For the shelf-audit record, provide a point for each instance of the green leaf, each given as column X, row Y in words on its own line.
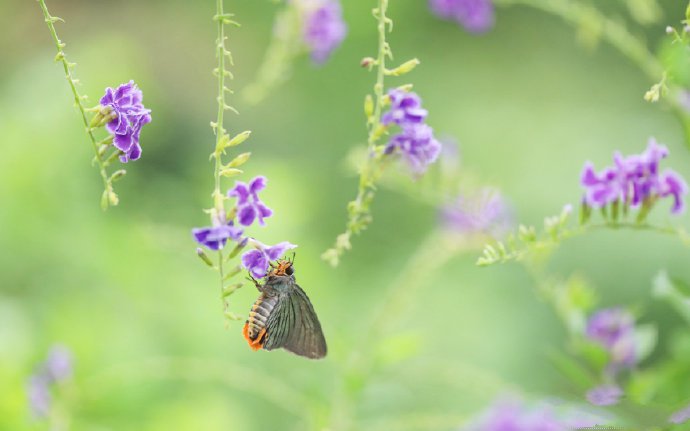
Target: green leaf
column 572, row 369
column 673, row 291
column 646, row 337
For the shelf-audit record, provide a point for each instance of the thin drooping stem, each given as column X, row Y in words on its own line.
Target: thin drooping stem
column 67, row 66
column 612, row 31
column 359, row 216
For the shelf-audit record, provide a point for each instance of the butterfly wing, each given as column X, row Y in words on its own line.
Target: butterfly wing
column 294, row 326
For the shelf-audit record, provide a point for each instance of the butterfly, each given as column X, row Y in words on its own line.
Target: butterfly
column 283, row 317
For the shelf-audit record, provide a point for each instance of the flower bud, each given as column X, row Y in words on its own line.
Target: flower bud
column 239, row 160
column 403, row 68
column 239, row 138
column 229, row 290
column 368, row 106
column 367, row 62
column 230, row 172
column 202, row 255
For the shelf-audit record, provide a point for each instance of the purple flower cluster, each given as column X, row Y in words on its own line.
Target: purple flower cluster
column 416, row 141
column 513, row 415
column 605, row 395
column 614, row 329
column 483, row 212
column 324, row 29
column 56, row 368
column 250, row 208
column 634, row 180
column 476, row 16
column 682, row 415
column 130, row 116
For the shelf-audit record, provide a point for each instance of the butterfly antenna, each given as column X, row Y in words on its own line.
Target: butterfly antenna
column 293, row 258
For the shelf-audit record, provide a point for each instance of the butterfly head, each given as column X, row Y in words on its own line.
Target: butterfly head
column 282, row 268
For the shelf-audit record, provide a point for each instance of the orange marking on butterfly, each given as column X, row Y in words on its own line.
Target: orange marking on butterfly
column 283, row 265
column 256, row 343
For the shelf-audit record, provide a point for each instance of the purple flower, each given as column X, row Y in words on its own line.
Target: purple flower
column 672, row 184
column 38, row 395
column 257, row 261
column 614, row 329
column 680, row 416
column 215, row 237
column 476, row 16
column 130, row 117
column 514, row 415
column 483, row 212
column 324, row 29
column 417, row 145
column 406, row 108
column 634, row 180
column 604, row 395
column 249, row 206
column 58, row 365
column 56, row 368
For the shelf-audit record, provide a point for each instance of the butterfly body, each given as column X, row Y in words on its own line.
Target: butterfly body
column 283, row 317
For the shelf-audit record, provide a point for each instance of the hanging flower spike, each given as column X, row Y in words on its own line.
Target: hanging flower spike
column 324, row 30
column 215, row 237
column 476, row 16
column 614, row 329
column 249, row 206
column 417, row 145
column 406, row 108
column 129, row 116
column 257, row 261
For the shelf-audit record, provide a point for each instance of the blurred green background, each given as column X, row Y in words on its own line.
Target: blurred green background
column 124, row 290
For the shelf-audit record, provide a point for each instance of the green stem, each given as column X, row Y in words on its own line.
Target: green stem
column 612, row 31
column 50, row 20
column 358, row 209
column 218, row 201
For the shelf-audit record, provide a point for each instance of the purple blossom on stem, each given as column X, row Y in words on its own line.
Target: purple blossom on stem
column 680, row 416
column 614, row 329
column 514, row 415
column 38, row 395
column 130, row 116
column 476, row 16
column 257, row 261
column 215, row 237
column 483, row 212
column 249, row 206
column 417, row 145
column 58, row 365
column 634, row 181
column 324, row 29
column 56, row 368
column 605, row 395
column 416, row 140
column 406, row 108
